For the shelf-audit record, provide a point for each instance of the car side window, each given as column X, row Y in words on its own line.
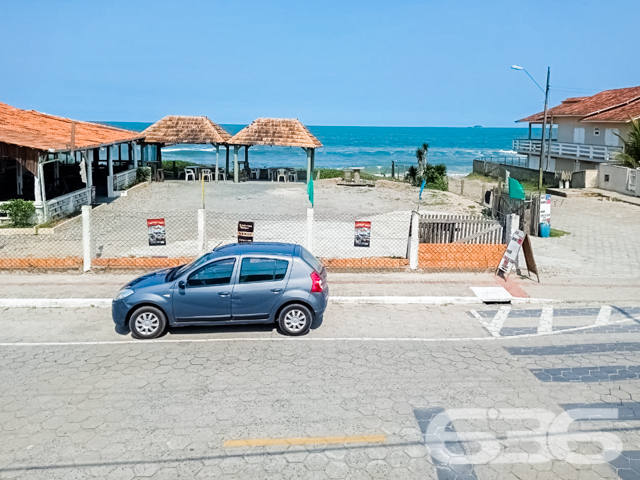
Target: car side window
column 216, row 273
column 262, row 270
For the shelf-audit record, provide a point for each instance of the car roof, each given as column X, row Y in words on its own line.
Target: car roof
column 270, row 248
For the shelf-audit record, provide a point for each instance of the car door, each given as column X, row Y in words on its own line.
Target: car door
column 260, row 283
column 204, row 296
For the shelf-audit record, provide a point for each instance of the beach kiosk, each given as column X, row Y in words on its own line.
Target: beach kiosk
column 275, row 132
column 182, row 129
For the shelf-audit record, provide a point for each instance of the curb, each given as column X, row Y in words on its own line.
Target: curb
column 382, row 300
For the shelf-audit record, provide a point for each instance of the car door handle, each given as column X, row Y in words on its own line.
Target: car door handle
column 276, row 290
column 224, row 294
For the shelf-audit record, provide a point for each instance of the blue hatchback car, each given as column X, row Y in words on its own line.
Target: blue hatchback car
column 234, row 284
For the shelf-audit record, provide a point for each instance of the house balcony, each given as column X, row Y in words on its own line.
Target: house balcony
column 578, row 151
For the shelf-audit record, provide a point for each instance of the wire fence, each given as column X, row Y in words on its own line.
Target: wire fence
column 105, row 239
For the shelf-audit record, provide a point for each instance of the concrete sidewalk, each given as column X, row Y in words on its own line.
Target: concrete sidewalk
column 586, row 289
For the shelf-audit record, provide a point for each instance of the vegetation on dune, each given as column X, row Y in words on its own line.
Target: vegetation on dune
column 329, row 173
column 630, row 158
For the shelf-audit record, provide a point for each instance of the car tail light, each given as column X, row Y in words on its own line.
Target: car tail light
column 316, row 282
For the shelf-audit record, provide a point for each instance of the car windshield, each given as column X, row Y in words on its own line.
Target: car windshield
column 177, row 271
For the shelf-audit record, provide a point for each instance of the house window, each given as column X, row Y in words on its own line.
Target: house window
column 596, row 132
column 578, row 135
column 611, row 138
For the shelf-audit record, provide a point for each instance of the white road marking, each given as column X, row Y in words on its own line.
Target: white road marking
column 603, row 315
column 496, row 324
column 303, row 339
column 546, row 320
column 477, row 315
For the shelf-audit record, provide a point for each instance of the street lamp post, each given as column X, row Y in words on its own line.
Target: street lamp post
column 544, row 121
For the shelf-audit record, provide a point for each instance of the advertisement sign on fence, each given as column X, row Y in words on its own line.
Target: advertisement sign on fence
column 157, row 234
column 545, row 208
column 513, row 249
column 245, row 232
column 363, row 234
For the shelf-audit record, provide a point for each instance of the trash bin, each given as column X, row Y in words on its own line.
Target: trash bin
column 545, row 230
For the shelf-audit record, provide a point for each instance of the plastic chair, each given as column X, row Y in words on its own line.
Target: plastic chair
column 206, row 175
column 222, row 174
column 282, row 173
column 188, row 172
column 293, row 176
column 347, row 175
column 255, row 173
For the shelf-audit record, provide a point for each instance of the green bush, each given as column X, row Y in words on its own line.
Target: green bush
column 330, row 173
column 20, row 212
column 143, row 174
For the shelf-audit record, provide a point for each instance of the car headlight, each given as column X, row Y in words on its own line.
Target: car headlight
column 124, row 293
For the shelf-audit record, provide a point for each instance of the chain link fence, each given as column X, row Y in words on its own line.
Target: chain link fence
column 395, row 241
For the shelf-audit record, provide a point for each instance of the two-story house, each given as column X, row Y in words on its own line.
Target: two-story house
column 588, row 131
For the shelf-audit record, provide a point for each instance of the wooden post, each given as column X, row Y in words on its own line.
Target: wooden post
column 217, row 159
column 235, row 164
column 109, row 162
column 313, row 160
column 135, row 157
column 246, row 161
column 309, row 171
column 227, row 166
column 18, row 178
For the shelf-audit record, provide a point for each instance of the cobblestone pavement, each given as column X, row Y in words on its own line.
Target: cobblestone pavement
column 598, row 244
column 350, row 400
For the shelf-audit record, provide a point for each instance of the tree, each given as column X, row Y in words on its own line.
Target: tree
column 631, row 156
column 421, row 155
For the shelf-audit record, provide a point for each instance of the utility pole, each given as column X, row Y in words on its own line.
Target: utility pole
column 544, row 127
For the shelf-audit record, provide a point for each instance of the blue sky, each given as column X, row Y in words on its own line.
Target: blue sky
column 404, row 63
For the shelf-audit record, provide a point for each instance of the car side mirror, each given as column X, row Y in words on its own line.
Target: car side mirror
column 181, row 284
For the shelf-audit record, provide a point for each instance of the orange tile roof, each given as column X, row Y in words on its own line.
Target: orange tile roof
column 29, row 128
column 619, row 105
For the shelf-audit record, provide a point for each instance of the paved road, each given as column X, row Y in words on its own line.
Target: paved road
column 374, row 392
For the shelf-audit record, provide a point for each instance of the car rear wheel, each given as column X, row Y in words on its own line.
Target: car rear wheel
column 147, row 322
column 295, row 320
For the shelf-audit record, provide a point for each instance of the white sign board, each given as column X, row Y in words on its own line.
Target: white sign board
column 513, row 250
column 545, row 208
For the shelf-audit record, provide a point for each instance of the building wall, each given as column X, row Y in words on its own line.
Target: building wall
column 566, row 126
column 615, row 179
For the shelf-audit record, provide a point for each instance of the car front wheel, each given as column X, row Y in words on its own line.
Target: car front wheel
column 147, row 322
column 295, row 320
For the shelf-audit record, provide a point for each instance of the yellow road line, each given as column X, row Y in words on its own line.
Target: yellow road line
column 268, row 442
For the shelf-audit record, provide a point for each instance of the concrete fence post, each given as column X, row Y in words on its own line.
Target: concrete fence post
column 310, row 229
column 414, row 247
column 462, row 188
column 202, row 238
column 86, row 237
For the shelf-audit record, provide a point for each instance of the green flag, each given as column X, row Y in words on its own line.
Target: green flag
column 310, row 189
column 515, row 189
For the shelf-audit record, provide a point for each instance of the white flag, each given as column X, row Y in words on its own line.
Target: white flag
column 83, row 170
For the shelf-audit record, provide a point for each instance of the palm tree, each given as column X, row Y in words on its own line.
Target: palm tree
column 631, row 156
column 421, row 155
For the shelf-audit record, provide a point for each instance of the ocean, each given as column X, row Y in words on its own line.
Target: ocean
column 373, row 148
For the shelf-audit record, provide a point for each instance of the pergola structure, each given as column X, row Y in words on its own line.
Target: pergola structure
column 182, row 129
column 58, row 162
column 281, row 132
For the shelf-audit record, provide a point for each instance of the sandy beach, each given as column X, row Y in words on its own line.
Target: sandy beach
column 288, row 198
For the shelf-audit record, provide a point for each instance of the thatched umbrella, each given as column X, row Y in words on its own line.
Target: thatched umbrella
column 282, row 132
column 182, row 129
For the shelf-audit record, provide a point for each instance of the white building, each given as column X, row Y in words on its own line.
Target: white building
column 588, row 131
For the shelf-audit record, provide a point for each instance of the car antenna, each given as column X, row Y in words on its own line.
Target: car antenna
column 217, row 245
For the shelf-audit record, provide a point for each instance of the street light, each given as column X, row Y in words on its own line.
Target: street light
column 544, row 122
